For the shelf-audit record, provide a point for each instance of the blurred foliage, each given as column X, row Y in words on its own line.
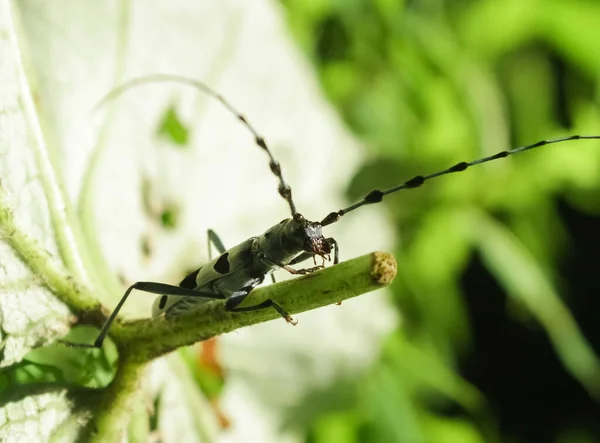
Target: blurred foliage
column 173, row 129
column 45, row 368
column 426, row 84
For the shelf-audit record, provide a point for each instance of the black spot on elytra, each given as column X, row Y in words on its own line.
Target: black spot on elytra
column 190, row 281
column 163, row 301
column 222, row 264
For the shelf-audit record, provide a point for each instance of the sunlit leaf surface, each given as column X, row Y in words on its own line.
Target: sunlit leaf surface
column 87, row 192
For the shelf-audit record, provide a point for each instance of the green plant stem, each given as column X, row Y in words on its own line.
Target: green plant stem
column 144, row 340
column 43, row 265
column 117, row 403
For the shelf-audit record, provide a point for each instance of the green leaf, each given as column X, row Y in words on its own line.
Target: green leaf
column 520, row 274
column 172, row 127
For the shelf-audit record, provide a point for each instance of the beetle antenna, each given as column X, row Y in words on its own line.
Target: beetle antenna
column 284, row 190
column 376, row 195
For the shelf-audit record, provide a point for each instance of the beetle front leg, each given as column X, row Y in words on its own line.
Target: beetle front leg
column 262, row 257
column 302, row 257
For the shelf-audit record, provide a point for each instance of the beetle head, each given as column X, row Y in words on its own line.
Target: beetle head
column 306, row 236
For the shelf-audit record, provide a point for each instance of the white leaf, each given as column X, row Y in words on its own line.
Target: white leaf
column 77, row 52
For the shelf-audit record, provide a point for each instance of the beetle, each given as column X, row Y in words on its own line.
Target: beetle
column 233, row 275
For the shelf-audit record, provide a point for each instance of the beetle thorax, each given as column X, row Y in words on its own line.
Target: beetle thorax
column 291, row 237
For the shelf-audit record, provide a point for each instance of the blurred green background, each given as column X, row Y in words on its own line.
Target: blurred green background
column 497, row 286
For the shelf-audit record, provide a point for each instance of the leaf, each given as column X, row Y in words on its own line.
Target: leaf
column 183, row 413
column 172, row 127
column 29, row 314
column 518, row 271
column 73, row 210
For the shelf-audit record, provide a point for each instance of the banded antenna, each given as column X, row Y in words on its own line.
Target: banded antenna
column 284, row 190
column 376, row 195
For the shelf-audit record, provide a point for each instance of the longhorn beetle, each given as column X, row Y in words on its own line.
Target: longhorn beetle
column 237, row 271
